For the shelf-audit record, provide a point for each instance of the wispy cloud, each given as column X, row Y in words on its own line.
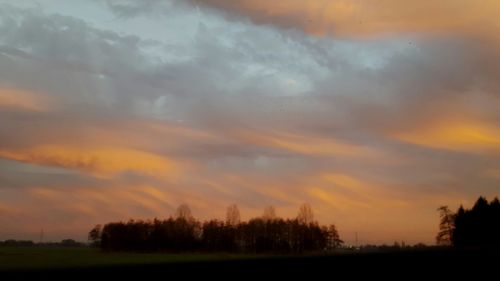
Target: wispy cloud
column 466, row 136
column 367, row 17
column 13, row 99
column 99, row 161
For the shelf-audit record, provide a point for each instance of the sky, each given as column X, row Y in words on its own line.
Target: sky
column 375, row 112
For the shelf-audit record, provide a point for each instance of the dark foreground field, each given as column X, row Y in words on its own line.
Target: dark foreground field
column 90, row 264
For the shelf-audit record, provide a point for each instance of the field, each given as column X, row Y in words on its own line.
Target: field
column 32, row 258
column 35, row 263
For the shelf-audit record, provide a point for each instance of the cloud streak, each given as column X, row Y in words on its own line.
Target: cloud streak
column 367, row 17
column 98, row 161
column 20, row 100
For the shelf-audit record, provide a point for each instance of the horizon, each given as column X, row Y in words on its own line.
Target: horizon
column 375, row 113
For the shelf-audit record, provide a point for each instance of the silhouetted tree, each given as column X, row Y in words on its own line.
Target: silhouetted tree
column 446, row 226
column 232, row 215
column 269, row 213
column 333, row 237
column 183, row 212
column 95, row 235
column 305, row 215
column 478, row 227
column 69, row 243
column 213, row 236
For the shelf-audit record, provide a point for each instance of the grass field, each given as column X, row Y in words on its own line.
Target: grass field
column 19, row 258
column 37, row 263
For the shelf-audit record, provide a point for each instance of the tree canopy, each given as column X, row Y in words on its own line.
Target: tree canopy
column 267, row 234
column 478, row 227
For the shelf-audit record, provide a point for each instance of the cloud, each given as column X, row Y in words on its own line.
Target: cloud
column 456, row 135
column 306, row 145
column 20, row 100
column 99, row 161
column 366, row 17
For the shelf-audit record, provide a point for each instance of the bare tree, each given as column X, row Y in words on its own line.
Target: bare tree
column 306, row 215
column 232, row 215
column 183, row 212
column 95, row 235
column 333, row 237
column 269, row 213
column 446, row 226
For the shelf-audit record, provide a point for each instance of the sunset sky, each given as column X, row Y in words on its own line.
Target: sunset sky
column 375, row 112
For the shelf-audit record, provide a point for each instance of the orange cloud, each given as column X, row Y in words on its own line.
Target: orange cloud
column 366, row 17
column 307, row 145
column 100, row 161
column 347, row 192
column 22, row 100
column 467, row 136
column 120, row 202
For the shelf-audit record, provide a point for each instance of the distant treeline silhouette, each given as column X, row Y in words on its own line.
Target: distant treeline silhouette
column 17, row 243
column 29, row 243
column 183, row 233
column 478, row 227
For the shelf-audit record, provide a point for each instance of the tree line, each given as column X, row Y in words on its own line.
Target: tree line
column 478, row 227
column 183, row 233
column 70, row 243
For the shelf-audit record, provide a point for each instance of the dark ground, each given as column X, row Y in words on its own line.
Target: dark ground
column 403, row 265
